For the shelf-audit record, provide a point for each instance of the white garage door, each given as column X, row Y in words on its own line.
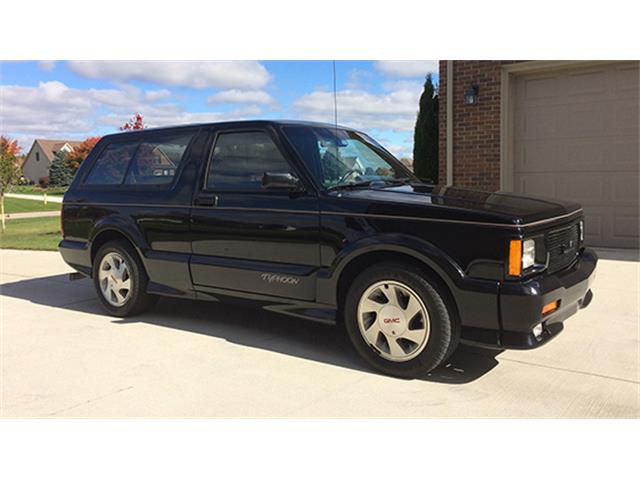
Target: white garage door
column 575, row 136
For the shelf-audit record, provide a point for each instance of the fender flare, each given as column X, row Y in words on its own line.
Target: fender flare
column 122, row 225
column 425, row 252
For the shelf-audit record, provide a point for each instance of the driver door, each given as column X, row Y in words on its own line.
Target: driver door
column 248, row 238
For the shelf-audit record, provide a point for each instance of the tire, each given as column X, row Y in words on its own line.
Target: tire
column 406, row 337
column 121, row 302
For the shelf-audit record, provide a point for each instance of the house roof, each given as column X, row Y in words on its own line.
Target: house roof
column 50, row 147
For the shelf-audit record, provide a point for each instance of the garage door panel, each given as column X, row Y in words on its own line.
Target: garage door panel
column 575, row 135
column 626, row 120
column 624, row 189
column 626, row 81
column 535, row 157
column 592, row 154
column 538, row 88
column 539, row 122
column 626, row 155
column 585, row 83
column 538, row 184
column 584, row 121
column 593, row 227
column 625, row 226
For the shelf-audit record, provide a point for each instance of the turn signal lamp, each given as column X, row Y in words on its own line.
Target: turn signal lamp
column 550, row 307
column 515, row 258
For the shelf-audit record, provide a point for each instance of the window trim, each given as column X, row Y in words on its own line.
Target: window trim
column 204, row 184
column 140, row 138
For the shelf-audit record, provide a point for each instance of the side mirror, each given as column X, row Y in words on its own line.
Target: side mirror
column 282, row 181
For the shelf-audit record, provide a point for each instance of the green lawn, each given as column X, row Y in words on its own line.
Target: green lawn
column 36, row 190
column 19, row 205
column 32, row 234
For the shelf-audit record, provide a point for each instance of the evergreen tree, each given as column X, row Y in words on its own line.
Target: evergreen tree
column 59, row 173
column 425, row 137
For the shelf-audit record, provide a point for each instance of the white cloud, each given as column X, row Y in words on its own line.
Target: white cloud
column 51, row 107
column 395, row 110
column 54, row 110
column 407, row 68
column 46, row 65
column 240, row 96
column 154, row 95
column 400, row 151
column 221, row 74
column 412, row 85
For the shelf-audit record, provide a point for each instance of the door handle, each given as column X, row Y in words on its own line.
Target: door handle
column 207, row 200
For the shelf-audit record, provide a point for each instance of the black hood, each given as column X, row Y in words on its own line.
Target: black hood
column 461, row 204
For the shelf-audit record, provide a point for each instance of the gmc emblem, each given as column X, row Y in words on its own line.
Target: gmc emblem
column 564, row 248
column 391, row 320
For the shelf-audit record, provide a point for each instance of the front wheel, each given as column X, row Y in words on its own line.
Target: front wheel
column 120, row 280
column 398, row 320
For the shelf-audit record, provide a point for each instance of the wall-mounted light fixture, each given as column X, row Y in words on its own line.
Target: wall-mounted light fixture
column 471, row 95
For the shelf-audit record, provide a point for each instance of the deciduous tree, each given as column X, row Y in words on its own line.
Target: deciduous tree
column 135, row 123
column 9, row 146
column 76, row 156
column 9, row 170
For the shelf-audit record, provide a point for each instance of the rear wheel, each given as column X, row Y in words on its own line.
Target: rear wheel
column 120, row 280
column 398, row 320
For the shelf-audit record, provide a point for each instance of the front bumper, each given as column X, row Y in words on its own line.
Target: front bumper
column 521, row 303
column 520, row 306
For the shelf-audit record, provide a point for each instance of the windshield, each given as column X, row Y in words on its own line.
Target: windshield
column 339, row 157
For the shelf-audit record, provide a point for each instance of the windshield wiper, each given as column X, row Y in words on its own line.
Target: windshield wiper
column 396, row 181
column 350, row 186
column 371, row 183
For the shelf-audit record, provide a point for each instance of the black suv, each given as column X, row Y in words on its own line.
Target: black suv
column 322, row 223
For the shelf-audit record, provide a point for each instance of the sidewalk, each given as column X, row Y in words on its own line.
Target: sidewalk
column 17, row 216
column 25, row 196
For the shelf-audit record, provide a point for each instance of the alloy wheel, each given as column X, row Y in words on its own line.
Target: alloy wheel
column 115, row 279
column 393, row 320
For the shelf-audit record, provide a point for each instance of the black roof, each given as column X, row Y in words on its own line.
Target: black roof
column 248, row 123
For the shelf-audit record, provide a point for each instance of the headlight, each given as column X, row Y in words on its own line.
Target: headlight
column 528, row 253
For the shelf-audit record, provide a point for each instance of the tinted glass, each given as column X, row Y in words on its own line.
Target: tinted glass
column 240, row 160
column 156, row 162
column 341, row 157
column 111, row 166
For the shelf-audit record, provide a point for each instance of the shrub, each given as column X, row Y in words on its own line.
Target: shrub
column 43, row 182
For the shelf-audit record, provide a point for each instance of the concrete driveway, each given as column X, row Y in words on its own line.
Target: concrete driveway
column 62, row 357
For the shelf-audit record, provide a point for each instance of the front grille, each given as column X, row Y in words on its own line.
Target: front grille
column 562, row 247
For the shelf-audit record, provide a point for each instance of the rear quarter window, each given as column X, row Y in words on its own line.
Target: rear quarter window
column 156, row 162
column 111, row 166
column 151, row 161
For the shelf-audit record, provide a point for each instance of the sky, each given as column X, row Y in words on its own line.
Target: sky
column 77, row 99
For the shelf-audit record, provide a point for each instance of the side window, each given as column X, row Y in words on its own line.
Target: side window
column 111, row 166
column 156, row 162
column 239, row 161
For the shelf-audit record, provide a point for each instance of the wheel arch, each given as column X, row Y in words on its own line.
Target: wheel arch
column 436, row 265
column 114, row 229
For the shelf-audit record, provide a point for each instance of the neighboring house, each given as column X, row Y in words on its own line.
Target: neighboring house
column 564, row 129
column 40, row 156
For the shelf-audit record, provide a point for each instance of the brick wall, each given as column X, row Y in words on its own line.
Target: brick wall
column 476, row 128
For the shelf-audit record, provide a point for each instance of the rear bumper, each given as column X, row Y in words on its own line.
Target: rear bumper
column 76, row 255
column 520, row 306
